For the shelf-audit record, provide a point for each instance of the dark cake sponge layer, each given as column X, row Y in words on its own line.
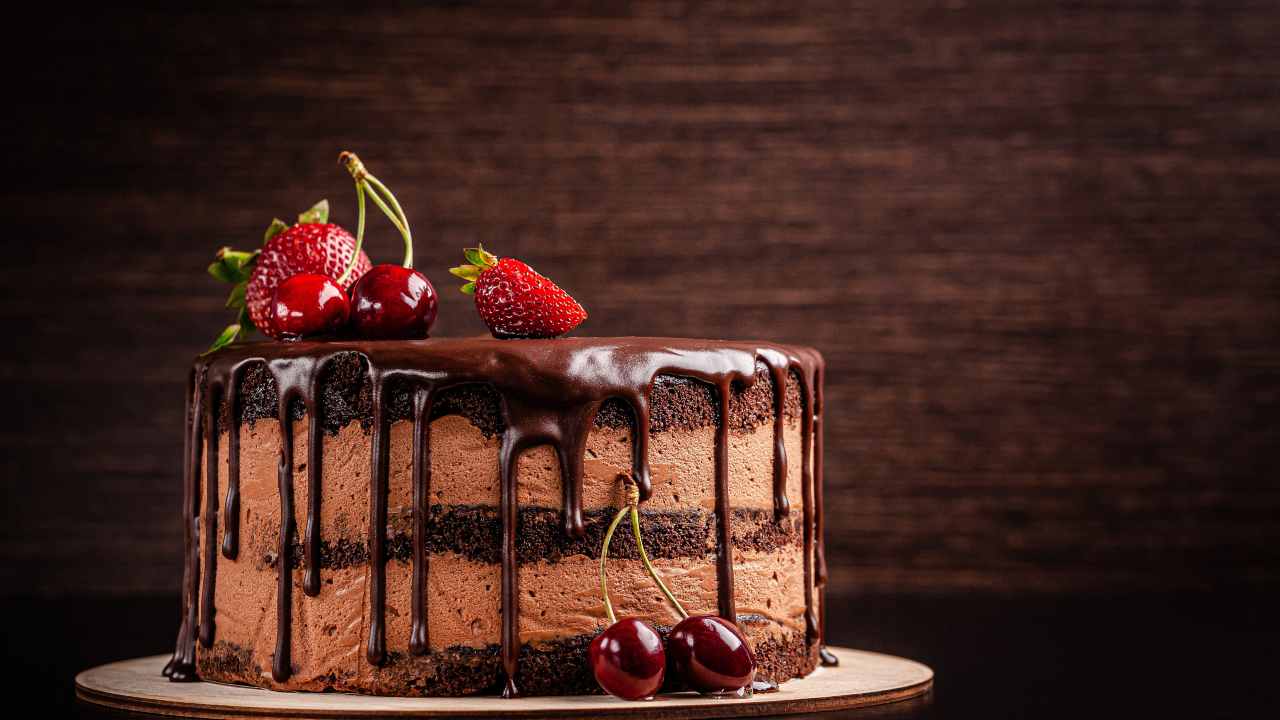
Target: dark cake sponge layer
column 552, row 668
column 346, row 396
column 475, row 532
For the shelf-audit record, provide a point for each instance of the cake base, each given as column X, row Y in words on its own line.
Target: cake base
column 861, row 679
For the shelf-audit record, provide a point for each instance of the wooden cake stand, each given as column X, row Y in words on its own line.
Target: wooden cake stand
column 861, row 679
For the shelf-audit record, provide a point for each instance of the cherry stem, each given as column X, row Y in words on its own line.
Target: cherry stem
column 633, row 504
column 381, row 196
column 377, row 185
column 604, row 555
column 342, row 281
column 395, row 219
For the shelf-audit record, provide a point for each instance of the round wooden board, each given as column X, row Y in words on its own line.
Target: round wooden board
column 861, row 679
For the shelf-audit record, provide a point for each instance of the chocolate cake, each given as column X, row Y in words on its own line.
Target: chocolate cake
column 425, row 517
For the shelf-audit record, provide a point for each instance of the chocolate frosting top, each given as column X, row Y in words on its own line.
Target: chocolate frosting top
column 345, row 396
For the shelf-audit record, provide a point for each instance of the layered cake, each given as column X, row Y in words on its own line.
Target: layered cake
column 397, row 515
column 425, row 517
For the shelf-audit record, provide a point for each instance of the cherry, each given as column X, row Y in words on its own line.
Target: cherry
column 389, row 301
column 627, row 659
column 711, row 654
column 308, row 304
column 393, row 302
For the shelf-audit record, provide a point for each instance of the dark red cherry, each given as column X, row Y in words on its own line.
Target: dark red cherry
column 627, row 659
column 308, row 304
column 393, row 302
column 711, row 654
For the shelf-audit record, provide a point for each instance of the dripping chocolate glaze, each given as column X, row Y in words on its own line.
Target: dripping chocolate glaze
column 551, row 392
column 827, row 657
column 210, row 519
column 231, row 513
column 315, row 458
column 182, row 666
column 422, row 400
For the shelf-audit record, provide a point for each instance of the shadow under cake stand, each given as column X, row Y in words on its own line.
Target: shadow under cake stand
column 861, row 679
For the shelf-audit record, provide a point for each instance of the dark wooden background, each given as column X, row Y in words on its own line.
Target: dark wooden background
column 1037, row 243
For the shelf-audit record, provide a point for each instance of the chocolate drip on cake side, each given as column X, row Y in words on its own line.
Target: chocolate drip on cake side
column 182, row 666
column 315, row 466
column 724, row 540
column 295, row 378
column 281, row 665
column 419, row 641
column 551, row 392
column 806, row 485
column 218, row 388
column 231, row 511
column 376, row 648
column 213, row 391
column 779, row 366
column 507, row 458
column 827, row 657
column 805, row 368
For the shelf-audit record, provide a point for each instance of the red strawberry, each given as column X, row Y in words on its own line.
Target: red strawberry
column 514, row 300
column 319, row 248
column 311, row 246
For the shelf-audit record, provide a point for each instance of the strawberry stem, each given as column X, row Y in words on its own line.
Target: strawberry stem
column 386, row 202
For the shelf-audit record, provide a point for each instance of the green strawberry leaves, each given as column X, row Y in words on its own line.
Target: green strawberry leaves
column 236, row 267
column 242, row 326
column 479, row 260
column 231, row 334
column 318, row 213
column 232, row 266
column 466, row 272
column 480, row 257
column 276, row 227
column 236, row 300
column 238, row 330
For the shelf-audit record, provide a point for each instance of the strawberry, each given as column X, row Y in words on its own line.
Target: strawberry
column 319, row 248
column 313, row 245
column 514, row 300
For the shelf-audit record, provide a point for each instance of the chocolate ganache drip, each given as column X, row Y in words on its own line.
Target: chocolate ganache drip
column 827, row 657
column 182, row 666
column 551, row 391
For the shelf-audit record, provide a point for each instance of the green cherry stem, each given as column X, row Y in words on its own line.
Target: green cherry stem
column 633, row 508
column 392, row 216
column 367, row 183
column 633, row 504
column 403, row 225
column 355, row 254
column 604, row 555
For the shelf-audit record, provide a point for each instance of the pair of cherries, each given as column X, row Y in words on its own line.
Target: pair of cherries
column 707, row 652
column 387, row 302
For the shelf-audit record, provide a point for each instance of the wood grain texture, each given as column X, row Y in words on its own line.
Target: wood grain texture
column 1037, row 244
